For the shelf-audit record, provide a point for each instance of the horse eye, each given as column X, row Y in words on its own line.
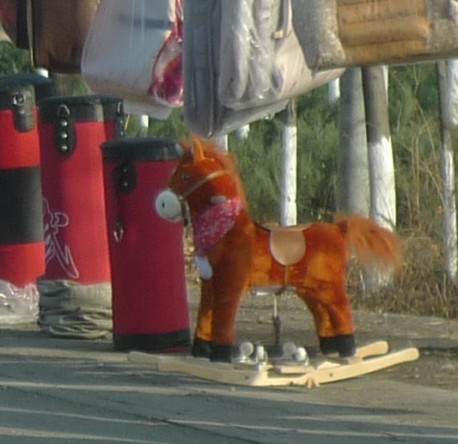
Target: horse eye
column 185, row 176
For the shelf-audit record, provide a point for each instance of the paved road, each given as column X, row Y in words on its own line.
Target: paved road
column 75, row 391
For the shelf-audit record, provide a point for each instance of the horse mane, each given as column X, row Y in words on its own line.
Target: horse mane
column 228, row 162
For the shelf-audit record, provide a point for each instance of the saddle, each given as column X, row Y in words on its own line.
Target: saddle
column 287, row 244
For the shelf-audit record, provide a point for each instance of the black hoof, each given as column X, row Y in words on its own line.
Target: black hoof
column 346, row 345
column 201, row 348
column 221, row 353
column 328, row 346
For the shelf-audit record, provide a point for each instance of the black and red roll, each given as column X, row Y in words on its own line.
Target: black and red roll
column 71, row 131
column 150, row 308
column 22, row 251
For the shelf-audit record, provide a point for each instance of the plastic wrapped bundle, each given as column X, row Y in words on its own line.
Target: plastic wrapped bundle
column 204, row 112
column 134, row 51
column 262, row 61
column 362, row 32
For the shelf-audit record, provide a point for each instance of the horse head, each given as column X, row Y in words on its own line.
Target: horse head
column 205, row 176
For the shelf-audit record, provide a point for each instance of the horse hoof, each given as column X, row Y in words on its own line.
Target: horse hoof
column 201, row 348
column 346, row 345
column 328, row 345
column 221, row 353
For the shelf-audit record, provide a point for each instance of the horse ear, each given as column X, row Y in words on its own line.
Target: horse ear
column 197, row 150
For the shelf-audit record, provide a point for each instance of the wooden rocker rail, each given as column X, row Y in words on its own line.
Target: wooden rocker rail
column 368, row 359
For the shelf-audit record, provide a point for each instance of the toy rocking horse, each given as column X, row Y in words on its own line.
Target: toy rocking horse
column 234, row 253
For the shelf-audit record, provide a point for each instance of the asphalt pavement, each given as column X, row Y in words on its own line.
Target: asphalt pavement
column 55, row 390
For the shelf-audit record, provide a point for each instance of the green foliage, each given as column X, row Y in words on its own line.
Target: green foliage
column 13, row 60
column 413, row 111
column 317, row 156
column 259, row 159
column 416, row 143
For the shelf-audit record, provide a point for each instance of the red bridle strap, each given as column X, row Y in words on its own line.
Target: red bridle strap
column 203, row 181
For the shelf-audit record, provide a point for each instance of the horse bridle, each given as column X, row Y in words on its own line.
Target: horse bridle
column 184, row 196
column 202, row 182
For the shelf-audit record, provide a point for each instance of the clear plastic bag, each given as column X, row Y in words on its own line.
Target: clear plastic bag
column 18, row 305
column 134, row 51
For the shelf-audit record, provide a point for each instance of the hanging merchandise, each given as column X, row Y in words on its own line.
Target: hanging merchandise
column 134, row 51
column 364, row 32
column 58, row 30
column 13, row 21
column 261, row 58
column 204, row 113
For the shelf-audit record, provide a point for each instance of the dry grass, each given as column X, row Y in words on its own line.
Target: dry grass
column 420, row 288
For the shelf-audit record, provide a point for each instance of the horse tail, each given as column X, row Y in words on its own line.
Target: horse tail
column 372, row 244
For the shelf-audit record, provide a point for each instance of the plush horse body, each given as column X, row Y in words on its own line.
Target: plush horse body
column 235, row 254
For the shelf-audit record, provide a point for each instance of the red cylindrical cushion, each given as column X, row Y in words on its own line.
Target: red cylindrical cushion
column 71, row 132
column 21, row 218
column 150, row 309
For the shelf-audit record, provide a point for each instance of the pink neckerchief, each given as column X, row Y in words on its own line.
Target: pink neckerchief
column 210, row 226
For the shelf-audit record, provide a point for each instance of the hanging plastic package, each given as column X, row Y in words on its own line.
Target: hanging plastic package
column 261, row 59
column 204, row 113
column 148, row 35
column 13, row 20
column 57, row 32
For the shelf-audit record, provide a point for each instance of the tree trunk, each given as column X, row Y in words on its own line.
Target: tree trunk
column 353, row 175
column 380, row 151
column 448, row 169
column 380, row 161
column 288, row 207
column 333, row 91
column 221, row 141
column 144, row 125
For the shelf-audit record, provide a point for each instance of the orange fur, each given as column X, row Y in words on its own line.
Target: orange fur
column 242, row 259
column 373, row 245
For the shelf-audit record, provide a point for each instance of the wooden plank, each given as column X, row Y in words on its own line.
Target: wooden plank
column 328, row 375
column 379, row 10
column 263, row 375
column 372, row 349
column 201, row 368
column 334, row 373
column 384, row 31
column 391, row 52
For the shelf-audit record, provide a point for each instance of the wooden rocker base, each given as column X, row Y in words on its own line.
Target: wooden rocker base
column 368, row 359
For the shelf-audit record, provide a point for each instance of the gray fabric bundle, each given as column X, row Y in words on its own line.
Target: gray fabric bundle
column 71, row 310
column 204, row 113
column 262, row 60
